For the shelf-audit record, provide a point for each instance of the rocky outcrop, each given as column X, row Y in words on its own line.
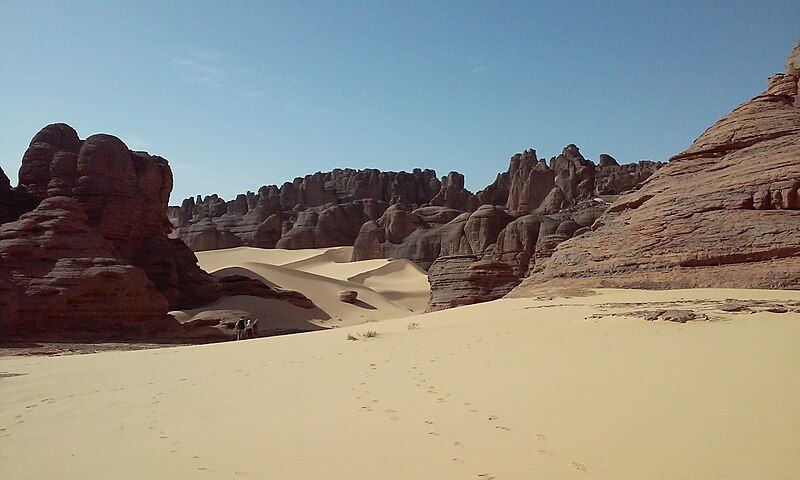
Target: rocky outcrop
column 61, row 274
column 92, row 252
column 724, row 213
column 348, row 296
column 319, row 210
column 452, row 194
column 530, row 192
column 466, row 279
column 614, row 179
column 793, row 62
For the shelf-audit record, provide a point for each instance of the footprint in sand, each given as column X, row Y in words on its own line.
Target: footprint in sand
column 428, row 422
column 492, row 418
column 545, row 452
column 580, row 467
column 500, row 427
column 487, row 476
column 541, row 437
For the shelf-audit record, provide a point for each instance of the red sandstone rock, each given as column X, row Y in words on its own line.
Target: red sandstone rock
column 348, row 296
column 323, row 209
column 60, row 274
column 467, row 279
column 94, row 254
column 724, row 213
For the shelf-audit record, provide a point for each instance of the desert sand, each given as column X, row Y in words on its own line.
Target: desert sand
column 386, row 288
column 567, row 385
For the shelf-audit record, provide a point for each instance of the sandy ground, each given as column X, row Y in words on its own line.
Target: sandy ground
column 386, row 288
column 551, row 388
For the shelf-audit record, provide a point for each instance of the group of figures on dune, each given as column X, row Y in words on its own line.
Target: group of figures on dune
column 88, row 243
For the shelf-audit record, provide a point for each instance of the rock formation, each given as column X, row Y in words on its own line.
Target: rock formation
column 466, row 279
column 531, row 193
column 83, row 242
column 319, row 210
column 793, row 62
column 532, row 207
column 724, row 213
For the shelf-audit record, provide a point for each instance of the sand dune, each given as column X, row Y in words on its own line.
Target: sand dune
column 563, row 388
column 386, row 288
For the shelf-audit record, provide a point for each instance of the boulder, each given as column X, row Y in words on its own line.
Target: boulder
column 348, row 296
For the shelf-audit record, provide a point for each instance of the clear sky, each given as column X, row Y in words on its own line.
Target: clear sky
column 239, row 95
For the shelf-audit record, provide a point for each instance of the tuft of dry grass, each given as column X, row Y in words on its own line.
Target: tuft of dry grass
column 370, row 334
column 365, row 335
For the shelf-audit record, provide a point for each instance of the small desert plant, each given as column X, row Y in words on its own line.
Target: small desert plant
column 370, row 334
column 413, row 325
column 350, row 336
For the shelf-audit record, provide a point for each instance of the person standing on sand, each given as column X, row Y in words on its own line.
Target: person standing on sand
column 255, row 327
column 248, row 328
column 239, row 329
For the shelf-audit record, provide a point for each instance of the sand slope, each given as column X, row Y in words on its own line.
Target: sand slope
column 513, row 389
column 386, row 288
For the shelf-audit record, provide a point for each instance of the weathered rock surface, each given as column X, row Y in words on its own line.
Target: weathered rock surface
column 319, row 210
column 348, row 296
column 83, row 242
column 466, row 279
column 531, row 193
column 724, row 213
column 793, row 62
column 57, row 273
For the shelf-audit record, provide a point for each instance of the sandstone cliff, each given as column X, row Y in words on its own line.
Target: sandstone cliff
column 83, row 241
column 724, row 213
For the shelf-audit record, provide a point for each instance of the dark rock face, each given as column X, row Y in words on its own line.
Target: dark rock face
column 466, row 279
column 531, row 208
column 793, row 61
column 60, row 274
column 613, row 179
column 319, row 210
column 83, row 241
column 530, row 192
column 724, row 213
column 348, row 296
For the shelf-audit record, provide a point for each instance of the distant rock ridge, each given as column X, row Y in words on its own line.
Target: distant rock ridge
column 319, row 210
column 83, row 242
column 517, row 220
column 724, row 213
column 330, row 209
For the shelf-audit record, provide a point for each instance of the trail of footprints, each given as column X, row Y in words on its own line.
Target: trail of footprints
column 362, row 394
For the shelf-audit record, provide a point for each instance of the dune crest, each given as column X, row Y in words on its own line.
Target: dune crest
column 385, row 288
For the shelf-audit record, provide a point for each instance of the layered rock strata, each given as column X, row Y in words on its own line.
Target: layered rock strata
column 724, row 213
column 83, row 241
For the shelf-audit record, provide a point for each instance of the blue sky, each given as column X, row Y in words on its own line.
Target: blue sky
column 239, row 95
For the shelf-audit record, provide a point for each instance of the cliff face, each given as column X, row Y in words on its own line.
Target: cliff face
column 83, row 241
column 532, row 207
column 536, row 206
column 724, row 213
column 319, row 210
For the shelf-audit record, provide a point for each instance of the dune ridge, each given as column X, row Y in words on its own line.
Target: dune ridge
column 386, row 288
